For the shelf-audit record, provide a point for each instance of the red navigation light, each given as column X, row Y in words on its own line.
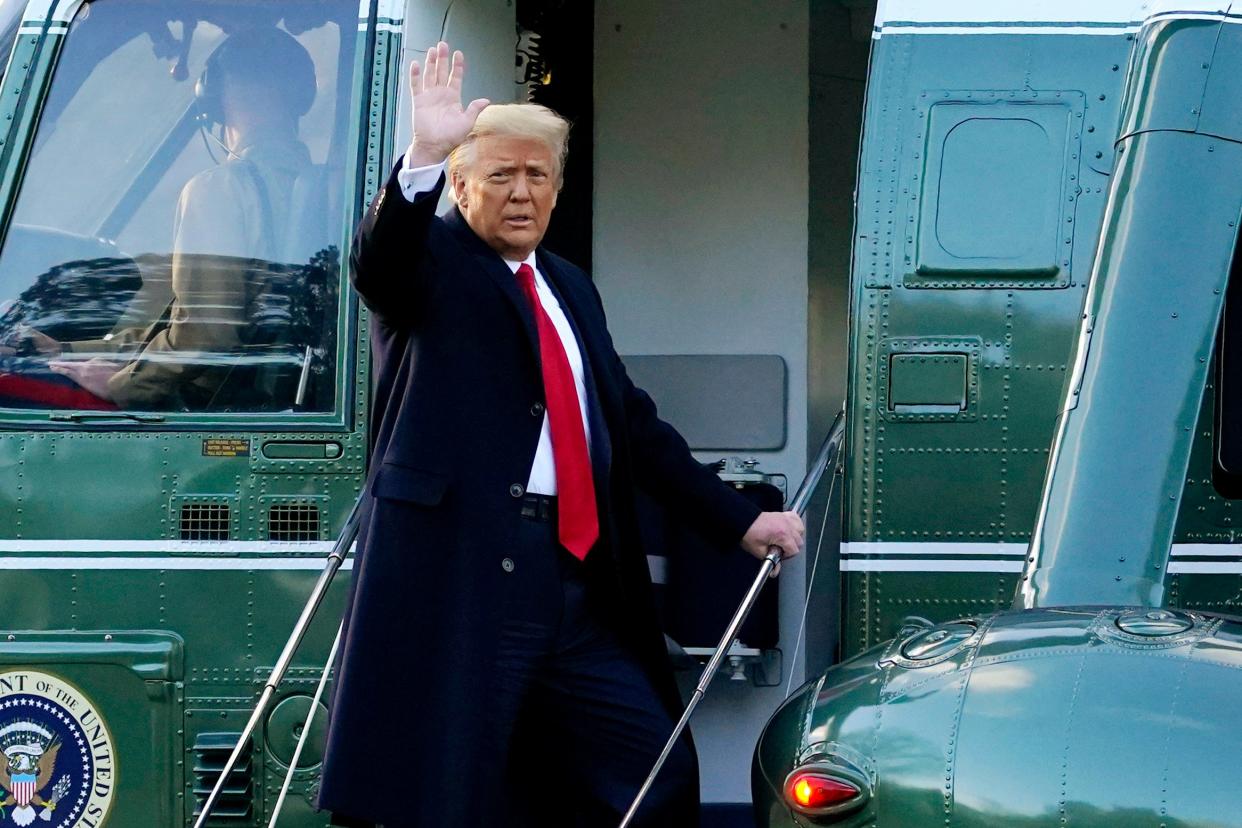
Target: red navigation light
column 810, row 790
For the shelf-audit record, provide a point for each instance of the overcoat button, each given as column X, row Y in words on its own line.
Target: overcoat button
column 507, row 564
column 517, row 490
column 536, row 410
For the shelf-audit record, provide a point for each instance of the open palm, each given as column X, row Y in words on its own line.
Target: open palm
column 440, row 120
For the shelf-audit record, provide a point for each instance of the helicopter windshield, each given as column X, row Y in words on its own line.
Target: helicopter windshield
column 10, row 19
column 174, row 244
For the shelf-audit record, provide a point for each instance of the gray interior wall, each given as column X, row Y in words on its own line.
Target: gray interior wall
column 700, row 241
column 481, row 29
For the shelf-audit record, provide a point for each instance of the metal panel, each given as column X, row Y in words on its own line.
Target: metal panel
column 1220, row 116
column 1171, row 69
column 974, row 477
column 1124, row 447
column 995, row 172
column 730, row 403
column 944, row 370
column 936, row 380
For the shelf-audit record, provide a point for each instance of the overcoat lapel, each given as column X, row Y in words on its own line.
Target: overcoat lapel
column 495, row 267
column 575, row 309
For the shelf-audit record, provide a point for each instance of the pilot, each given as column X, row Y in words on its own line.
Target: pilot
column 256, row 85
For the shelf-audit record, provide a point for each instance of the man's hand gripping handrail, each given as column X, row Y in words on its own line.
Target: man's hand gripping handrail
column 827, row 452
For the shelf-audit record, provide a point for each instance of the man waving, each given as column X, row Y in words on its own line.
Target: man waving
column 503, row 663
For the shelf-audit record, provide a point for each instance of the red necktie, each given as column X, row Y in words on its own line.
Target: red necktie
column 577, row 518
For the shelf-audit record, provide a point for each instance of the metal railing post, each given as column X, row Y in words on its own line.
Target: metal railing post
column 801, row 498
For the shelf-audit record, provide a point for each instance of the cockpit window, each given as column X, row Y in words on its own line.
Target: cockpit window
column 10, row 19
column 174, row 245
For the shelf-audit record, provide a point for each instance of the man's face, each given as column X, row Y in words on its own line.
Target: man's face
column 250, row 105
column 507, row 193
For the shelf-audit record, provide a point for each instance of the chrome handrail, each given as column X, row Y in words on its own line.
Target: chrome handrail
column 333, row 563
column 829, row 450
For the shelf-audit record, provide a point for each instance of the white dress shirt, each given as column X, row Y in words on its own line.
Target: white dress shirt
column 542, row 480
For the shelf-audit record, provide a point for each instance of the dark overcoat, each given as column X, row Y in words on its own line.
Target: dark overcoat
column 458, row 408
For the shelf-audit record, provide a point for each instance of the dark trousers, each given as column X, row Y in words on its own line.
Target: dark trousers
column 577, row 723
column 582, row 721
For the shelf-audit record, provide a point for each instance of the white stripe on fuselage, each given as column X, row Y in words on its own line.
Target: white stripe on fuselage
column 856, row 556
column 163, row 563
column 931, row 549
column 925, row 565
column 944, row 549
column 131, row 546
column 1038, row 11
column 969, row 565
column 1112, row 17
column 941, row 556
column 165, row 554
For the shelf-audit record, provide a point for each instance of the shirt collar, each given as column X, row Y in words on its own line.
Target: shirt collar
column 530, row 260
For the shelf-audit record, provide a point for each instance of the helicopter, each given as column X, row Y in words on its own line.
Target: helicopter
column 185, row 374
column 901, row 208
column 1082, row 331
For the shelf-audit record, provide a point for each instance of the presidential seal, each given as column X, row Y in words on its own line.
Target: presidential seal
column 57, row 767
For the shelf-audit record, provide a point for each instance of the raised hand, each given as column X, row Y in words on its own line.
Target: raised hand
column 440, row 122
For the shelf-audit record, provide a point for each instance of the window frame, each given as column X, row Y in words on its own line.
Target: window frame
column 1227, row 482
column 38, row 47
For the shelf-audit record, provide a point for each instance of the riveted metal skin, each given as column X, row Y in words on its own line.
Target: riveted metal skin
column 1039, row 721
column 1155, row 623
column 1153, row 293
column 1082, row 697
column 935, row 645
column 172, row 638
column 936, row 477
column 956, row 492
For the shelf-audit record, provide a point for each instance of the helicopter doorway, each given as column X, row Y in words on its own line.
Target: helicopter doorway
column 709, row 188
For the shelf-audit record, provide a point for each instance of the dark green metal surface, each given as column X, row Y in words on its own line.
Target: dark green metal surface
column 1039, row 718
column 1084, row 705
column 971, row 475
column 976, row 476
column 1157, row 293
column 1142, row 363
column 174, row 655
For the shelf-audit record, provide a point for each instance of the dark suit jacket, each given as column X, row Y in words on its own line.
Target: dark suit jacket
column 455, row 425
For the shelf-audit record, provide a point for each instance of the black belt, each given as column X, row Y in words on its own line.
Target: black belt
column 539, row 507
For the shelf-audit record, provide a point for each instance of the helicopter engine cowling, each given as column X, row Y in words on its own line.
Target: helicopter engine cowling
column 1108, row 717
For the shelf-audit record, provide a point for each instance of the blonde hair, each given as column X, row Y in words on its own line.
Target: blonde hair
column 519, row 120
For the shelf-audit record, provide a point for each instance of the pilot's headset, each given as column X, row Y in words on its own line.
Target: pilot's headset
column 267, row 53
